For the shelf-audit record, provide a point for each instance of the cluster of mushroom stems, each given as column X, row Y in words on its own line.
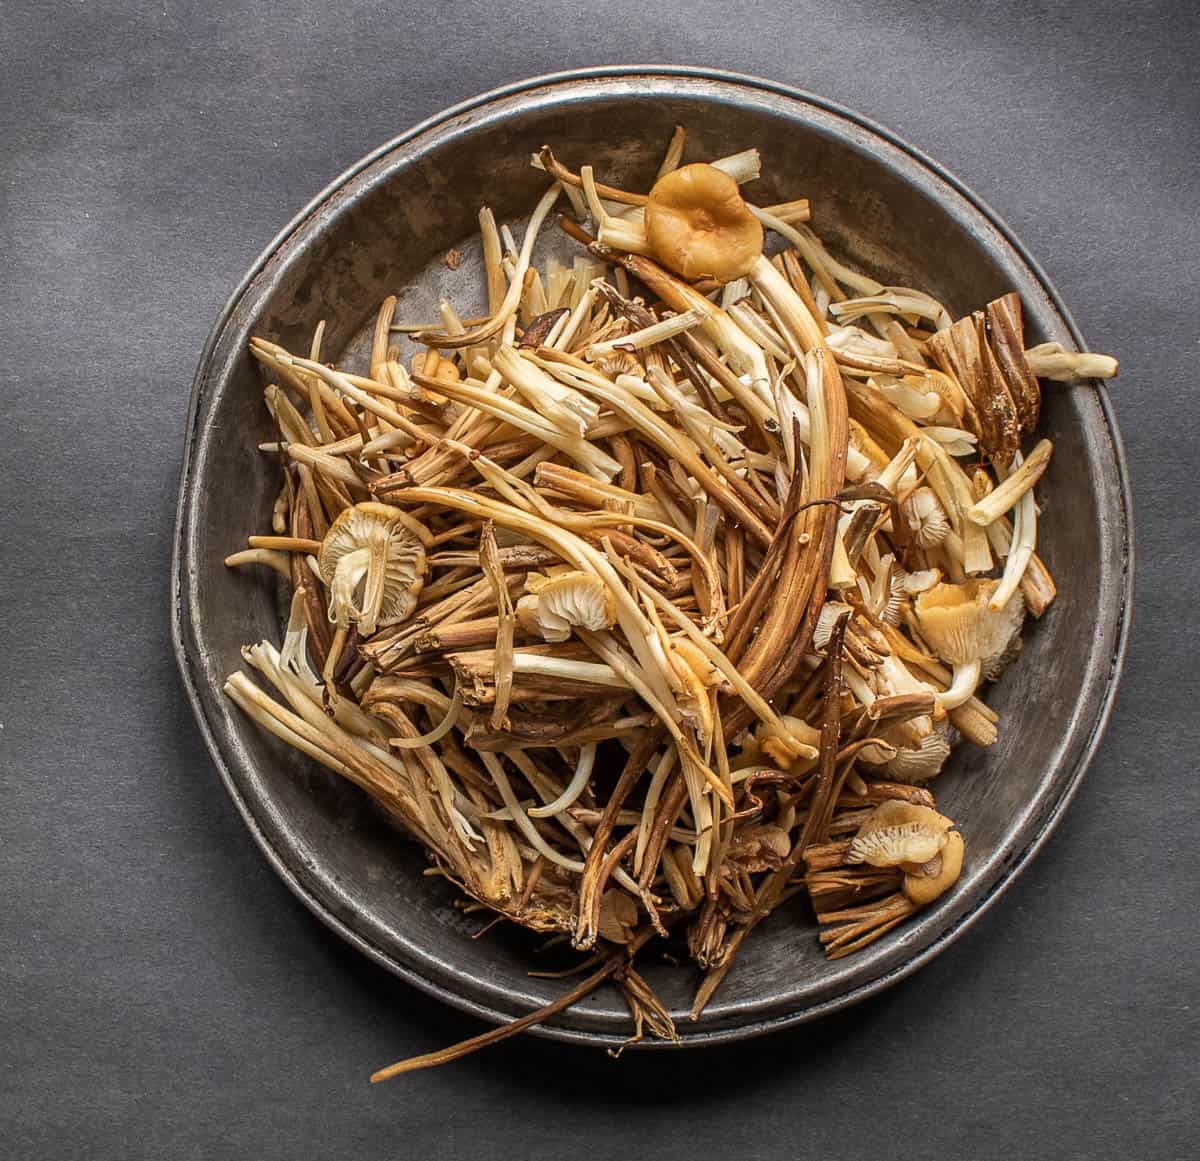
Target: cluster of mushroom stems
column 662, row 589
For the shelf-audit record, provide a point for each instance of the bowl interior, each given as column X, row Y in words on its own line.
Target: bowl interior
column 386, row 229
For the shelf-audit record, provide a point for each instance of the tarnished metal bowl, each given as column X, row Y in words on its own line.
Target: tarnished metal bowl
column 384, row 227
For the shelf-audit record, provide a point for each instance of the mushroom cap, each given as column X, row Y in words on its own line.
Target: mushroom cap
column 956, row 621
column 371, row 525
column 899, row 832
column 921, row 762
column 826, row 619
column 913, row 583
column 620, row 363
column 908, row 759
column 568, row 599
column 938, row 875
column 926, row 517
column 698, row 225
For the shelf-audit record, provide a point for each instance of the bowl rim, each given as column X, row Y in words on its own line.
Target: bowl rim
column 758, row 1025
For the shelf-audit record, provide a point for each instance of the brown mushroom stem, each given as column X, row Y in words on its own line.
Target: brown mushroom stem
column 613, row 965
column 560, row 172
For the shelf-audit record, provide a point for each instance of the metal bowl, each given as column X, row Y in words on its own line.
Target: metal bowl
column 383, row 227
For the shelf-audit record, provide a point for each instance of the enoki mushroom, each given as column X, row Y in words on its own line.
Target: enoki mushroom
column 661, row 590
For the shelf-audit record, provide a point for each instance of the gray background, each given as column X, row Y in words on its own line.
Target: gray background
column 161, row 993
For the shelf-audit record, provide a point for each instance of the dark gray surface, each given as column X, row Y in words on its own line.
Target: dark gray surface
column 161, row 994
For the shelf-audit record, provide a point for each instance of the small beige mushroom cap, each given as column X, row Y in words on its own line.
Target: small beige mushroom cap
column 564, row 601
column 899, row 832
column 957, row 623
column 925, row 884
column 911, row 763
column 373, row 554
column 826, row 619
column 926, row 517
column 914, row 583
column 698, row 225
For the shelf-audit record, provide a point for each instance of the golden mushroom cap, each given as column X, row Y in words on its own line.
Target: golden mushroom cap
column 956, row 620
column 698, row 225
column 899, row 832
column 937, row 876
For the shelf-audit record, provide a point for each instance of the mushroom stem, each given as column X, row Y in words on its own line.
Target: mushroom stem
column 512, row 298
column 657, row 332
column 573, row 789
column 376, row 575
column 286, row 543
column 1002, row 498
column 272, row 559
column 335, row 653
column 966, row 681
column 1053, row 361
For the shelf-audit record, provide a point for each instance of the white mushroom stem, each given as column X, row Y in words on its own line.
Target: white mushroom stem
column 448, row 722
column 647, row 336
column 896, row 469
column 798, row 210
column 963, row 685
column 376, row 575
column 1054, row 361
column 761, row 709
column 522, row 820
column 565, row 330
column 604, row 645
column 362, row 390
column 545, row 788
column 512, row 298
column 674, row 153
column 330, row 466
column 573, row 789
column 742, row 167
column 1005, row 496
column 569, row 411
column 745, row 356
column 591, row 672
column 824, row 265
column 759, row 330
column 581, row 554
column 486, row 398
column 284, row 724
column 896, row 300
column 1020, row 553
column 366, row 566
column 657, row 431
column 279, row 561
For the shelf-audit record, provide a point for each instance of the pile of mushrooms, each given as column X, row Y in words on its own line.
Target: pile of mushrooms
column 665, row 585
